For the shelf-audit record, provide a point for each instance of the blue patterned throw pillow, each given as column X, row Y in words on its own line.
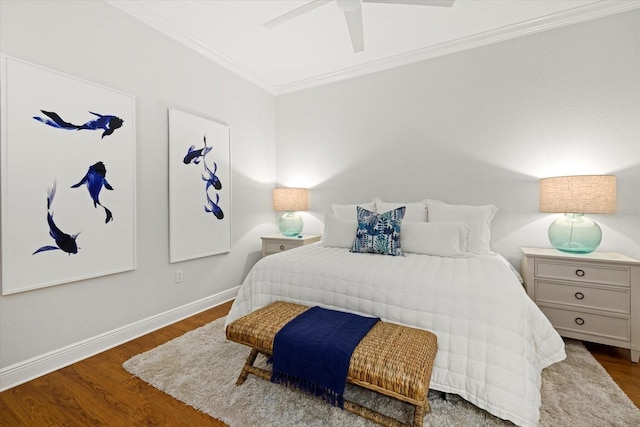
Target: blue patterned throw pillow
column 378, row 233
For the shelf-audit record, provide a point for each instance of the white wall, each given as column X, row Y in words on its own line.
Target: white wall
column 478, row 127
column 97, row 42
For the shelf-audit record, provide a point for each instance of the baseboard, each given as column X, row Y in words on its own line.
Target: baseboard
column 35, row 367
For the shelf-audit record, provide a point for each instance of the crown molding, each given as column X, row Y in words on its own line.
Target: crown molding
column 557, row 20
column 545, row 23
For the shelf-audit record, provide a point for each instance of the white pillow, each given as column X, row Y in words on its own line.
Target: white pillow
column 416, row 211
column 477, row 217
column 351, row 211
column 435, row 238
column 338, row 232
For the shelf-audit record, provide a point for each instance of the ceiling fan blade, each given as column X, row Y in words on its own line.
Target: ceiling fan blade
column 295, row 13
column 440, row 3
column 354, row 23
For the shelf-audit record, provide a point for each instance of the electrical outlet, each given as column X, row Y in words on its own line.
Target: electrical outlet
column 179, row 276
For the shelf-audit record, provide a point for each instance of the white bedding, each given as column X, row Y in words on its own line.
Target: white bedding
column 493, row 341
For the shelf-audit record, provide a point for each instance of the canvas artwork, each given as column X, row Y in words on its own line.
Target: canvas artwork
column 68, row 178
column 199, row 187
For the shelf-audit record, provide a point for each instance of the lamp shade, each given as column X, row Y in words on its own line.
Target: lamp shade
column 290, row 199
column 578, row 194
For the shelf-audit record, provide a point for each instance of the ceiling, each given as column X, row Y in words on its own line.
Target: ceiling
column 315, row 47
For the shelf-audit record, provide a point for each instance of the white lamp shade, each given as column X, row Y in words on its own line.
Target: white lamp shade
column 578, row 194
column 290, row 199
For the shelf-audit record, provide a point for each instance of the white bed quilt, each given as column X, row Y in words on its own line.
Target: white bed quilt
column 493, row 341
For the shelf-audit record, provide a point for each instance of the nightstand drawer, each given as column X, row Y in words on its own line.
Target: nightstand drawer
column 274, row 247
column 588, row 323
column 577, row 272
column 278, row 243
column 611, row 299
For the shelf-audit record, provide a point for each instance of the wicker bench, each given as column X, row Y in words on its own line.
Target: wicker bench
column 391, row 359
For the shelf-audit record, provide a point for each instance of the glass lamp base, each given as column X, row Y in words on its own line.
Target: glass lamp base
column 575, row 233
column 290, row 224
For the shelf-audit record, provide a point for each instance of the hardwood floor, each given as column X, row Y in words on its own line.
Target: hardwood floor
column 618, row 364
column 98, row 391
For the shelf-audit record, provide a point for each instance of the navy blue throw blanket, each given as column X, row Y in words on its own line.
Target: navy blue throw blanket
column 312, row 351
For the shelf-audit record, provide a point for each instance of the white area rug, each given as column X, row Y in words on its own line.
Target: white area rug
column 200, row 369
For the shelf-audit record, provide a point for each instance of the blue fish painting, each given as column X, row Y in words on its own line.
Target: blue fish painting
column 95, row 179
column 213, row 207
column 211, row 178
column 107, row 123
column 195, row 156
column 65, row 242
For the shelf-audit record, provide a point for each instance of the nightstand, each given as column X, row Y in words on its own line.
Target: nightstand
column 591, row 297
column 279, row 243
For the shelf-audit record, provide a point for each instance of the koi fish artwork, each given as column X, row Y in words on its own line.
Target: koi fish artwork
column 211, row 179
column 65, row 242
column 107, row 123
column 195, row 156
column 213, row 207
column 209, row 176
column 95, row 179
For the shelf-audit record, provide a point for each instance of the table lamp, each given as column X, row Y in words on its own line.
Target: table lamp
column 290, row 200
column 574, row 196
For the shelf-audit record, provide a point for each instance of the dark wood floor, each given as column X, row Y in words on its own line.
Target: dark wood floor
column 98, row 391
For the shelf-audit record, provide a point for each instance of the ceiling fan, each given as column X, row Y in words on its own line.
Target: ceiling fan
column 352, row 13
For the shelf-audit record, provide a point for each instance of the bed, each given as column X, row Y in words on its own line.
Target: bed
column 493, row 341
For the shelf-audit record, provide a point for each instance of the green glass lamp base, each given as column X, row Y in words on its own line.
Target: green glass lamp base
column 575, row 233
column 290, row 224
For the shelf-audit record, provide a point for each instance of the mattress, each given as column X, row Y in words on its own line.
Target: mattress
column 493, row 341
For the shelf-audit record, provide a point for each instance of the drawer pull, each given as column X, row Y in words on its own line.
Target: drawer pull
column 282, row 247
column 579, row 320
column 579, row 273
column 579, row 295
